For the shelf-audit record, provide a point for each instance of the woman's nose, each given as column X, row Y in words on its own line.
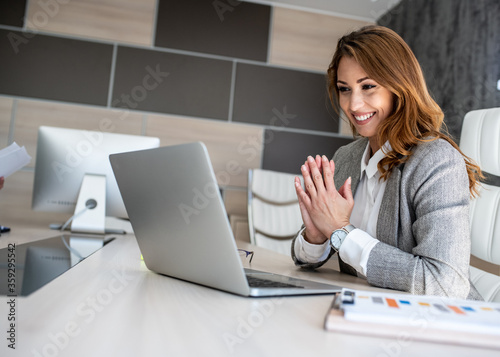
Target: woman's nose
column 356, row 101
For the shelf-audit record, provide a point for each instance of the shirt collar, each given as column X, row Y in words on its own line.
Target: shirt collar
column 369, row 164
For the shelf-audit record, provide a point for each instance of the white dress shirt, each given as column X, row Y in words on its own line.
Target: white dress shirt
column 358, row 244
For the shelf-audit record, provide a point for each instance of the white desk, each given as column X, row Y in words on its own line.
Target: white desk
column 111, row 305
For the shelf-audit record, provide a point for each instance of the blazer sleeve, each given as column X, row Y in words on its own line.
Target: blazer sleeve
column 429, row 250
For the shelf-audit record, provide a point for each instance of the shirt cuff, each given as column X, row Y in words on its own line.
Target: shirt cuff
column 310, row 253
column 356, row 249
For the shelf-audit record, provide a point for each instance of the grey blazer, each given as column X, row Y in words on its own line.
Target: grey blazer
column 423, row 224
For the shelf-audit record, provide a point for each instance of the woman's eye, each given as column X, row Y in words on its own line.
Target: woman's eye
column 343, row 89
column 368, row 86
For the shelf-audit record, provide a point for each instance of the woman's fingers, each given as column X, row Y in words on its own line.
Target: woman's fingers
column 301, row 194
column 316, row 174
column 308, row 180
column 346, row 192
column 328, row 170
column 313, row 234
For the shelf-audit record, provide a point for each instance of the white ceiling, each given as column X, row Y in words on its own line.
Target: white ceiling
column 369, row 10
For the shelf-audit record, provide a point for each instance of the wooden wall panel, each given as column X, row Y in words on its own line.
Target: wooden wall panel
column 15, row 203
column 345, row 128
column 125, row 21
column 233, row 148
column 236, row 203
column 31, row 114
column 239, row 225
column 5, row 117
column 307, row 39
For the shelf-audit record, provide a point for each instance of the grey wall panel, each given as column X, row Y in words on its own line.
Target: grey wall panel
column 227, row 28
column 282, row 97
column 287, row 151
column 12, row 12
column 54, row 68
column 172, row 83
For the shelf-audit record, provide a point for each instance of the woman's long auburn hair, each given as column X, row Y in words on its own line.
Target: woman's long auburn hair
column 416, row 117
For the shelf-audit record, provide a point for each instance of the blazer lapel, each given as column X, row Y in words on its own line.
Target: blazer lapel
column 387, row 232
column 346, row 165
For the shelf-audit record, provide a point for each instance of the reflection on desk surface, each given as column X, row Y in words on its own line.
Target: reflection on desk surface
column 37, row 263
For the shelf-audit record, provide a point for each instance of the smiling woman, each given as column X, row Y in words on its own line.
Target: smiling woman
column 401, row 215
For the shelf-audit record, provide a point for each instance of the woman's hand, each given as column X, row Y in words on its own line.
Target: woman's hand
column 312, row 234
column 323, row 208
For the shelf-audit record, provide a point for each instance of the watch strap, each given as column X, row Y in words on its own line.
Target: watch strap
column 349, row 228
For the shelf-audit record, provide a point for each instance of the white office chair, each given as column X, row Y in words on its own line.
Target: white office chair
column 273, row 211
column 480, row 140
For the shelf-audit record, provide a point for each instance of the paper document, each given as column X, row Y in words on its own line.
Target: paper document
column 13, row 158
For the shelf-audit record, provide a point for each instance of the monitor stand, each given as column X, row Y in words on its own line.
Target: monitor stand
column 90, row 210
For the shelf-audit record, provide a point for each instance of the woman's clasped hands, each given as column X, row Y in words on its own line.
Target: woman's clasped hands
column 323, row 208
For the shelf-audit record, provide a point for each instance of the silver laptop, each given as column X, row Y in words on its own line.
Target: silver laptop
column 180, row 222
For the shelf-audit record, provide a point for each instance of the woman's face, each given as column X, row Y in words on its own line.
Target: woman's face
column 365, row 102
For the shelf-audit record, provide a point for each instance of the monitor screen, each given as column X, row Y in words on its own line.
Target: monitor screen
column 64, row 156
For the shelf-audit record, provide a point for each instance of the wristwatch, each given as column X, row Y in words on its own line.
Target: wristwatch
column 339, row 235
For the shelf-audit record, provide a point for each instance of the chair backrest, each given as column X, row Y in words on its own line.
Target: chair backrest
column 272, row 186
column 480, row 140
column 273, row 209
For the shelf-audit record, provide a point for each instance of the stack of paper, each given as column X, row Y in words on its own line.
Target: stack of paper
column 13, row 158
column 429, row 318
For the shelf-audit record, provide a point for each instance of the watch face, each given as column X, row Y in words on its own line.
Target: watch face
column 337, row 237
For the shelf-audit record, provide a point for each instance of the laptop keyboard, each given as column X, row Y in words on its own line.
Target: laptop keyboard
column 255, row 282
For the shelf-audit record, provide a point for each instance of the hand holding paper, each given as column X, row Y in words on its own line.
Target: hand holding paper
column 13, row 158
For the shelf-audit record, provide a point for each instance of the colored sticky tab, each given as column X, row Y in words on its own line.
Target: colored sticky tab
column 391, row 303
column 377, row 300
column 441, row 308
column 467, row 308
column 424, row 304
column 456, row 309
column 405, row 302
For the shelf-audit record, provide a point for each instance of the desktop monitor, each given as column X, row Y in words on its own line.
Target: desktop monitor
column 73, row 173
